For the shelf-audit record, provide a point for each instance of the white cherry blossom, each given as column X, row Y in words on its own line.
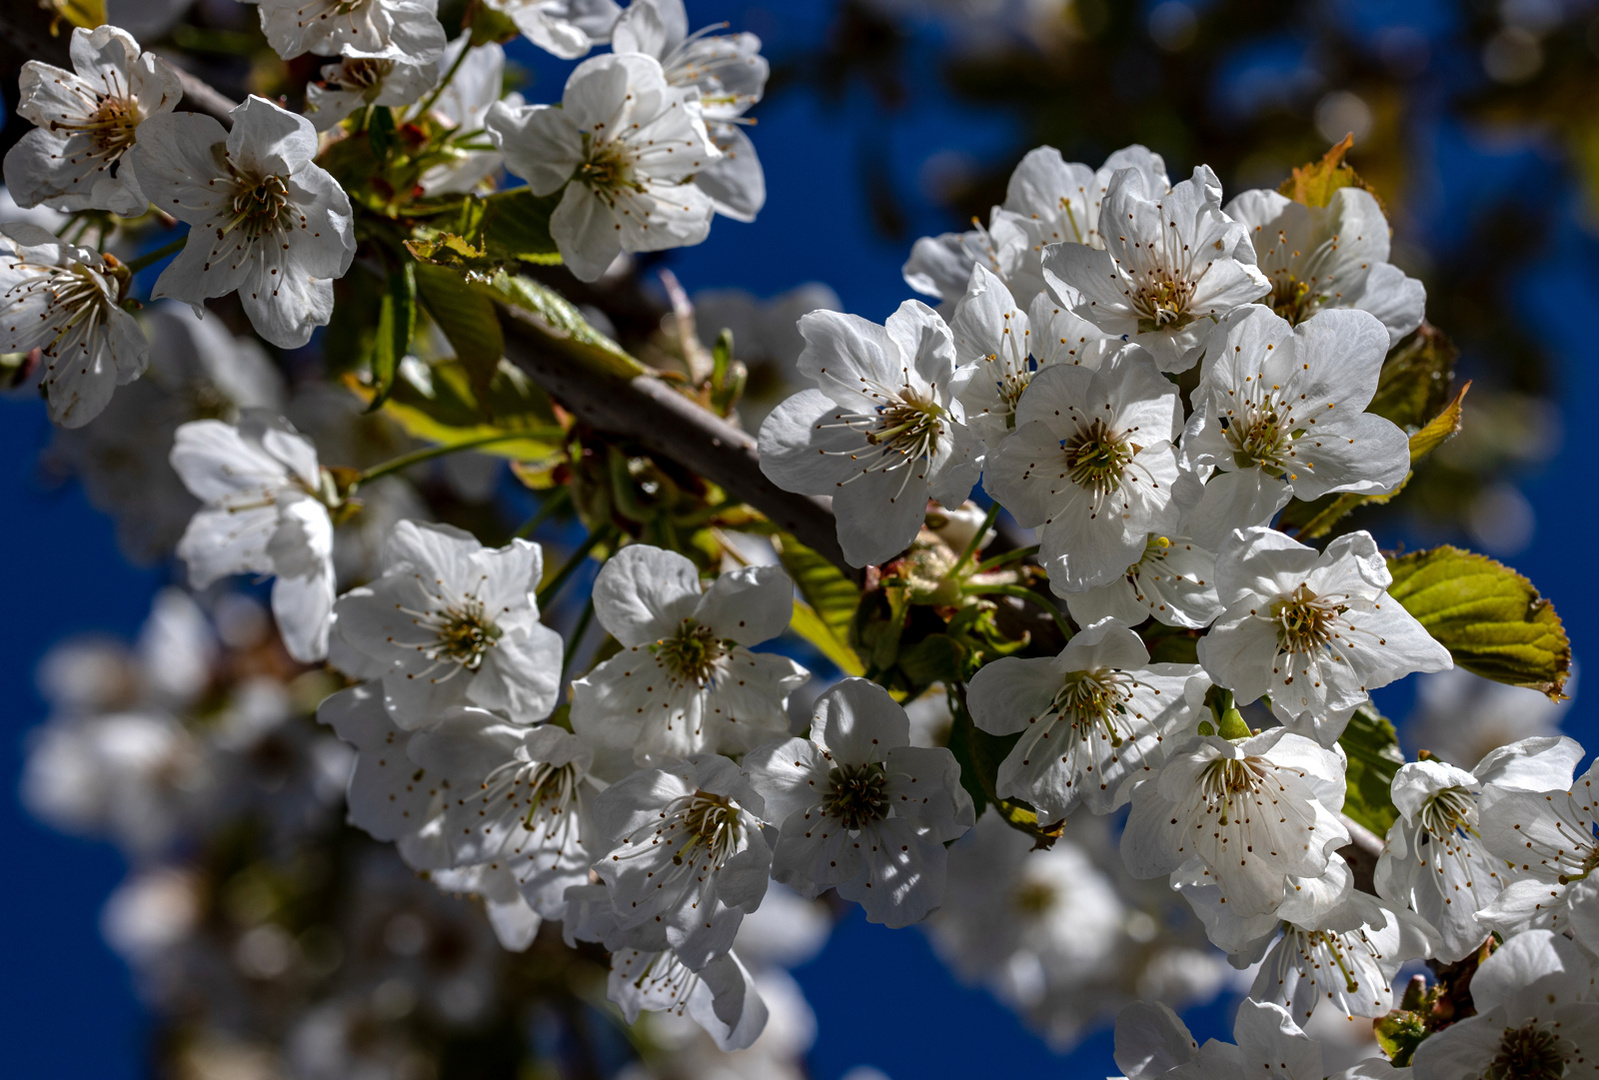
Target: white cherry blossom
column 88, row 119
column 730, row 73
column 1152, row 1042
column 687, row 856
column 564, row 28
column 1256, row 811
column 1333, row 256
column 1536, row 1018
column 1172, row 262
column 686, row 680
column 861, row 810
column 455, row 624
column 1090, row 466
column 1434, row 860
column 1059, row 201
column 941, row 266
column 264, row 511
column 1315, row 630
column 355, row 82
column 999, row 347
column 513, row 799
column 463, row 106
column 63, row 300
column 1548, row 839
column 265, row 219
column 388, row 795
column 621, row 145
column 383, row 29
column 721, row 996
column 1093, row 720
column 883, row 432
column 1279, row 413
column 1174, row 581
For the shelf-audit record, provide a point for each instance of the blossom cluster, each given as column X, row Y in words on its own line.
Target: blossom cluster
column 1148, row 376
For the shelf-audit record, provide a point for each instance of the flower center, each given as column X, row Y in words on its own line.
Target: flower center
column 1292, row 299
column 1162, row 304
column 1225, row 780
column 361, row 73
column 1449, row 811
column 1530, row 1053
column 1262, row 437
column 694, row 655
column 856, row 796
column 1033, row 898
column 609, row 167
column 710, row 822
column 1306, row 623
column 259, row 206
column 1096, row 458
column 466, row 634
column 111, row 126
column 1092, row 700
column 908, row 426
column 77, row 304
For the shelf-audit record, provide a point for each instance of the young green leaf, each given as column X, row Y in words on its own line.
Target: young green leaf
column 396, row 324
column 1490, row 618
column 467, row 318
column 1372, row 748
column 831, row 599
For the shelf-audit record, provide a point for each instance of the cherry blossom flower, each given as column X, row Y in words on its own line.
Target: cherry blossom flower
column 686, row 680
column 1255, row 811
column 859, row 809
column 1093, row 720
column 720, row 997
column 1059, row 201
column 356, row 82
column 455, row 624
column 1434, row 860
column 380, row 29
column 88, row 119
column 564, row 28
column 999, row 348
column 264, row 511
column 1172, row 261
column 266, row 220
column 388, row 796
column 1536, row 1019
column 881, row 434
column 1279, row 414
column 1152, row 1042
column 63, row 300
column 463, row 106
column 1315, row 630
column 687, row 856
column 1333, row 256
column 1091, row 466
column 1548, row 839
column 941, row 266
column 730, row 73
column 1174, row 581
column 621, row 145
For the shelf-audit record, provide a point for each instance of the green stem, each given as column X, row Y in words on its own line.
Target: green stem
column 135, row 265
column 1021, row 592
column 547, row 591
column 1006, row 557
column 405, row 461
column 578, row 631
column 976, row 541
column 444, row 82
column 547, row 509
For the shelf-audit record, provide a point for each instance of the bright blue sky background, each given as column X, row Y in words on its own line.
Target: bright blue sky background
column 880, row 996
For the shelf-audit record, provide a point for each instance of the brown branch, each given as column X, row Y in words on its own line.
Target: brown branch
column 1361, row 853
column 649, row 411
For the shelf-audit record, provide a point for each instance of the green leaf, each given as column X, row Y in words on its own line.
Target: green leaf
column 516, row 227
column 562, row 325
column 467, row 318
column 831, row 599
column 1372, row 747
column 443, row 407
column 396, row 324
column 380, row 130
column 979, row 755
column 1416, row 378
column 1490, row 618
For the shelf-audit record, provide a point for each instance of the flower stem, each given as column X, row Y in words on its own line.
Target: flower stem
column 547, row 591
column 1006, row 557
column 432, row 98
column 405, row 461
column 150, row 259
column 1021, row 592
column 557, row 501
column 976, row 541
